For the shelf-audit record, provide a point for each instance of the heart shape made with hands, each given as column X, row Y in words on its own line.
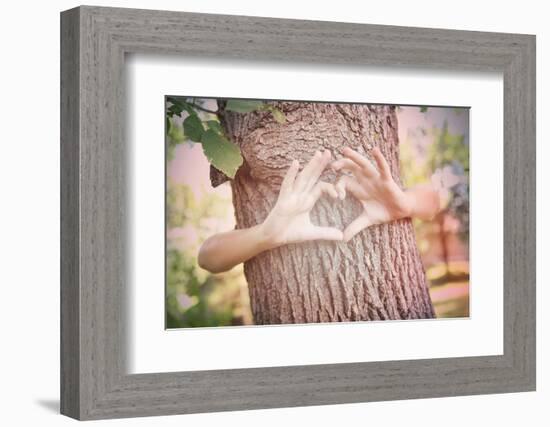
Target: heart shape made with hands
column 371, row 184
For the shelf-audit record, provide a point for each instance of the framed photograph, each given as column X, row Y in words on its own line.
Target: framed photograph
column 261, row 213
column 371, row 261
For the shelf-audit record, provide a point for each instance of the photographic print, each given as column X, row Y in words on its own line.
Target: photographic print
column 295, row 212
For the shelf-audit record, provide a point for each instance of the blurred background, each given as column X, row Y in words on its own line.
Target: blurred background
column 434, row 146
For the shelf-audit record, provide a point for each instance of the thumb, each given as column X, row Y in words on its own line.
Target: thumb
column 356, row 226
column 325, row 233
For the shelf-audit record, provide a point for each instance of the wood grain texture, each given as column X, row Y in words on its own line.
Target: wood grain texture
column 94, row 241
column 70, row 307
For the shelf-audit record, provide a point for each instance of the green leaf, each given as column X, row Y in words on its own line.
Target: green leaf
column 179, row 105
column 278, row 115
column 188, row 107
column 193, row 128
column 243, row 106
column 221, row 153
column 214, row 125
column 175, row 132
column 423, row 109
column 174, row 109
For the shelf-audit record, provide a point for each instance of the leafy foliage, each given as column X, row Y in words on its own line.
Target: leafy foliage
column 175, row 133
column 188, row 295
column 201, row 125
column 215, row 126
column 193, row 128
column 278, row 115
column 243, row 106
column 194, row 297
column 247, row 106
column 450, row 151
column 183, row 208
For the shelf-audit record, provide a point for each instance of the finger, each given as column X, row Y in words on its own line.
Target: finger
column 311, row 171
column 346, row 164
column 356, row 189
column 341, row 187
column 303, row 176
column 366, row 166
column 325, row 233
column 324, row 188
column 326, row 157
column 290, row 177
column 382, row 164
column 346, row 184
column 356, row 226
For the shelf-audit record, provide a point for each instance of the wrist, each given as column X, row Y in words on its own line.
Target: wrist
column 268, row 235
column 406, row 208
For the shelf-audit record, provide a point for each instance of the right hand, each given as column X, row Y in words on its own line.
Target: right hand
column 374, row 187
column 289, row 220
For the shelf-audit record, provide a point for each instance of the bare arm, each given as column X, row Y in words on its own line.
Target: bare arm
column 223, row 251
column 424, row 201
column 288, row 221
column 382, row 199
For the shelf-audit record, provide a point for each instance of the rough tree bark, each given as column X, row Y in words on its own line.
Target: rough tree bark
column 376, row 276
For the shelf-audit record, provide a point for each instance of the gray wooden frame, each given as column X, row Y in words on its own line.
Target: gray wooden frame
column 94, row 382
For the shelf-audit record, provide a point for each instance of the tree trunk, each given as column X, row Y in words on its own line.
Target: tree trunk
column 376, row 276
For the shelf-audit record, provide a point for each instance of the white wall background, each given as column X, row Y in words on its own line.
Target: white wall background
column 29, row 212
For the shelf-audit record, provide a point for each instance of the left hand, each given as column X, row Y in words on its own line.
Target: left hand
column 289, row 221
column 382, row 199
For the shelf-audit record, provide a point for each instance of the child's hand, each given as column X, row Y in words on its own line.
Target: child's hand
column 382, row 199
column 289, row 221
